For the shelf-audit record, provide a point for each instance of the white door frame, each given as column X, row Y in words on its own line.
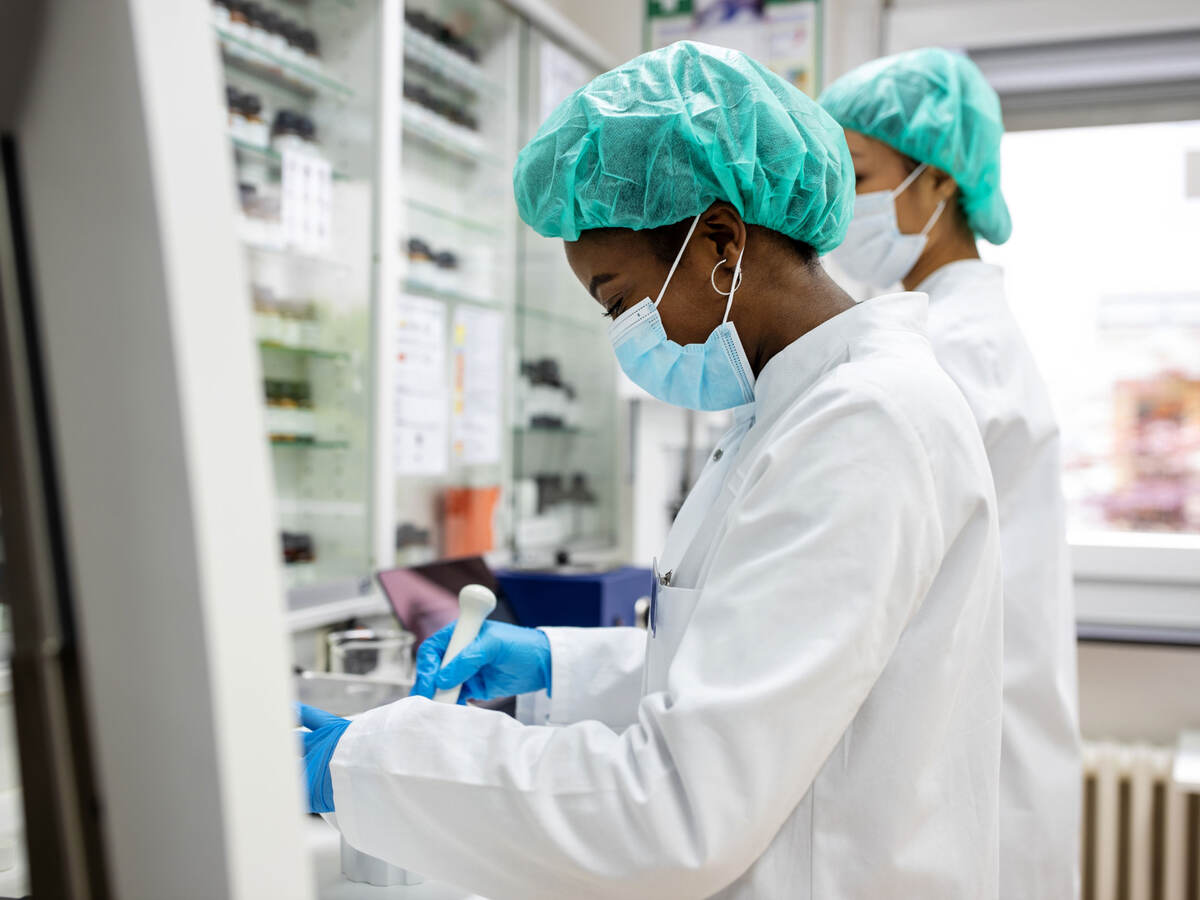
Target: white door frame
column 149, row 361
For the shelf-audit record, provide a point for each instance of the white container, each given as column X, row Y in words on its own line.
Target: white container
column 526, row 498
column 267, row 327
column 367, row 652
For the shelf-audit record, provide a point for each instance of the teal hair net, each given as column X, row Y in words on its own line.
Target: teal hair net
column 662, row 137
column 936, row 107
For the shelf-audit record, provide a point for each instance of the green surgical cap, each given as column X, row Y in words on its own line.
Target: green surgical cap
column 936, row 107
column 664, row 136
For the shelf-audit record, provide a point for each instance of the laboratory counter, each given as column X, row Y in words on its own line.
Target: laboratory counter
column 324, row 843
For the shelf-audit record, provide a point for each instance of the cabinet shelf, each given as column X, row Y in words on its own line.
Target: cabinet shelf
column 444, row 63
column 456, row 218
column 431, row 129
column 270, row 157
column 312, row 352
column 336, row 610
column 425, row 290
column 293, row 75
column 577, row 320
column 279, row 442
column 291, row 254
column 324, row 508
column 572, row 431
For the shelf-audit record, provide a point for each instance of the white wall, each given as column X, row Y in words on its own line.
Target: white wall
column 992, row 23
column 1135, row 693
column 614, row 24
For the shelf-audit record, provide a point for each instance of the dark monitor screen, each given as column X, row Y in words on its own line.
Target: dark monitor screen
column 425, row 598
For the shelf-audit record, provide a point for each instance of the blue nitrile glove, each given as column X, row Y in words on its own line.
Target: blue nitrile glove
column 503, row 660
column 319, row 743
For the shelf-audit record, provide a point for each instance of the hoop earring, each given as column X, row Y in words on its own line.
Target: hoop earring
column 737, row 280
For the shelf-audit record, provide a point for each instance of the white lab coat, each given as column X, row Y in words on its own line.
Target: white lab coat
column 978, row 343
column 817, row 714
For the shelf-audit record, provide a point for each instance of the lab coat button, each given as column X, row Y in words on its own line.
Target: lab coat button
column 718, row 454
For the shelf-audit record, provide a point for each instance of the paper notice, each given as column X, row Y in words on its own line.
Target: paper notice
column 477, row 385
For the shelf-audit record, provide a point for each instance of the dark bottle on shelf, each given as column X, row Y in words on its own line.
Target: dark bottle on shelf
column 237, row 13
column 306, row 129
column 271, row 22
column 285, row 123
column 418, row 249
column 290, row 32
column 308, row 43
column 297, row 547
column 237, row 117
column 254, row 18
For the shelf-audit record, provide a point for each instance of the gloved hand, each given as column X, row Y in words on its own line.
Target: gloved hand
column 503, row 660
column 319, row 743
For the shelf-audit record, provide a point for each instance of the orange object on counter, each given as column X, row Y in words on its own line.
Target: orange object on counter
column 468, row 514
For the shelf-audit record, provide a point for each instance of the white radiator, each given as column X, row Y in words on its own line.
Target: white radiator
column 1141, row 835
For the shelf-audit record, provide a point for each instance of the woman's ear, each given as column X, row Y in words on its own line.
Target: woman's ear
column 724, row 232
column 944, row 187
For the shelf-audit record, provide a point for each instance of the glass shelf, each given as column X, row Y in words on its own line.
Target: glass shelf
column 329, row 508
column 576, row 321
column 271, row 248
column 448, row 65
column 425, row 290
column 287, row 73
column 552, row 429
column 314, row 352
column 454, row 217
column 270, row 157
column 279, row 441
column 428, row 128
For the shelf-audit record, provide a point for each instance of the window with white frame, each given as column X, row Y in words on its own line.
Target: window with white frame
column 1103, row 273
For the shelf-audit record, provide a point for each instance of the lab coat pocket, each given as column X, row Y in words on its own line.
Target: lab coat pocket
column 672, row 614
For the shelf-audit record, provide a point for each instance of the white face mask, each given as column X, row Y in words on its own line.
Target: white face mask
column 875, row 251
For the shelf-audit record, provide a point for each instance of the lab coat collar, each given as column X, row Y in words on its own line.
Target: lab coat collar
column 798, row 366
column 962, row 268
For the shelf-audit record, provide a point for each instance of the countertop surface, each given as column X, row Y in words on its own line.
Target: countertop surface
column 324, row 842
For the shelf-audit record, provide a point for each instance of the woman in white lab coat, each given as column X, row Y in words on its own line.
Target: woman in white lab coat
column 814, row 711
column 924, row 131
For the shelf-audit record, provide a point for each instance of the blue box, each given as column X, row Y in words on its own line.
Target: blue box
column 581, row 599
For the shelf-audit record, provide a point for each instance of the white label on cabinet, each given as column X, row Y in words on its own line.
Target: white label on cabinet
column 306, row 201
column 420, row 433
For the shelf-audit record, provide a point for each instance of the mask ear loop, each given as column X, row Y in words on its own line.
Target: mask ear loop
column 912, row 176
column 937, row 214
column 678, row 258
column 733, row 286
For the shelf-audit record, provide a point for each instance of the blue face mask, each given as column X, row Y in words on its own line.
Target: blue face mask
column 709, row 376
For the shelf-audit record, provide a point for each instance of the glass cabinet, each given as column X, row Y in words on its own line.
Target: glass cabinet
column 452, row 304
column 301, row 86
column 434, row 382
column 504, row 416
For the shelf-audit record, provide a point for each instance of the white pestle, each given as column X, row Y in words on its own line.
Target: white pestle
column 475, row 603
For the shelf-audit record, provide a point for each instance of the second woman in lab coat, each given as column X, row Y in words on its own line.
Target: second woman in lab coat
column 924, row 132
